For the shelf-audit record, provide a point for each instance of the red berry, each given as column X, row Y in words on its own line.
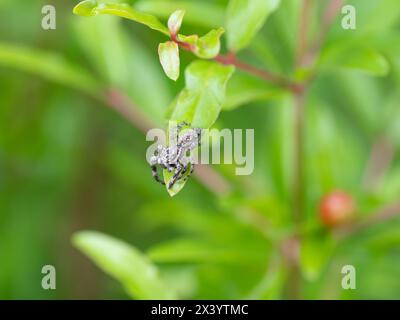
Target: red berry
column 336, row 208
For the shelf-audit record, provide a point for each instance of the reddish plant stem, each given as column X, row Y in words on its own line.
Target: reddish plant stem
column 329, row 17
column 379, row 161
column 388, row 212
column 232, row 59
column 186, row 46
column 121, row 103
column 302, row 39
column 298, row 183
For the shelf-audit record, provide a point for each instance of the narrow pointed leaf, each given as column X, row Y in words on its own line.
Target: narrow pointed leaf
column 186, row 250
column 49, row 65
column 89, row 8
column 245, row 18
column 351, row 54
column 124, row 263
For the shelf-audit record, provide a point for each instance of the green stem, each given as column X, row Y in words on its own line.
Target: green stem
column 306, row 56
column 298, row 184
column 295, row 279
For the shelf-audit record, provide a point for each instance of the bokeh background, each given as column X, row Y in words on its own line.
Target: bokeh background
column 70, row 162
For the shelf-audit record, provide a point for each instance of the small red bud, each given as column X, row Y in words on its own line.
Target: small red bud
column 336, row 208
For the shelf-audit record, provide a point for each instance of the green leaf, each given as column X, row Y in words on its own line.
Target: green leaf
column 200, row 102
column 200, row 251
column 179, row 217
column 245, row 18
column 273, row 282
column 192, row 39
column 208, row 46
column 280, row 149
column 389, row 44
column 169, row 58
column 329, row 137
column 243, row 89
column 353, row 54
column 50, row 66
column 124, row 263
column 390, row 124
column 175, row 21
column 382, row 243
column 178, row 186
column 315, row 251
column 89, row 8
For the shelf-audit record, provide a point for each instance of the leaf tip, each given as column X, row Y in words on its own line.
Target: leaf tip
column 175, row 21
column 85, row 8
column 220, row 31
column 78, row 239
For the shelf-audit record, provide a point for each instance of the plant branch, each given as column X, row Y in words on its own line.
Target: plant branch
column 121, row 103
column 294, row 282
column 302, row 38
column 232, row 59
column 298, row 183
column 300, row 99
column 386, row 213
column 329, row 17
column 381, row 157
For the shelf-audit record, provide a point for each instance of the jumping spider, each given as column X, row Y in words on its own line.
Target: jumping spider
column 174, row 157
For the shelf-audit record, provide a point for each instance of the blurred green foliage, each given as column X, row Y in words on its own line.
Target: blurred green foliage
column 69, row 163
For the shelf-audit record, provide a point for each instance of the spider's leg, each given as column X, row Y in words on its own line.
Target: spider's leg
column 191, row 171
column 184, row 171
column 155, row 174
column 170, row 167
column 177, row 175
column 181, row 125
